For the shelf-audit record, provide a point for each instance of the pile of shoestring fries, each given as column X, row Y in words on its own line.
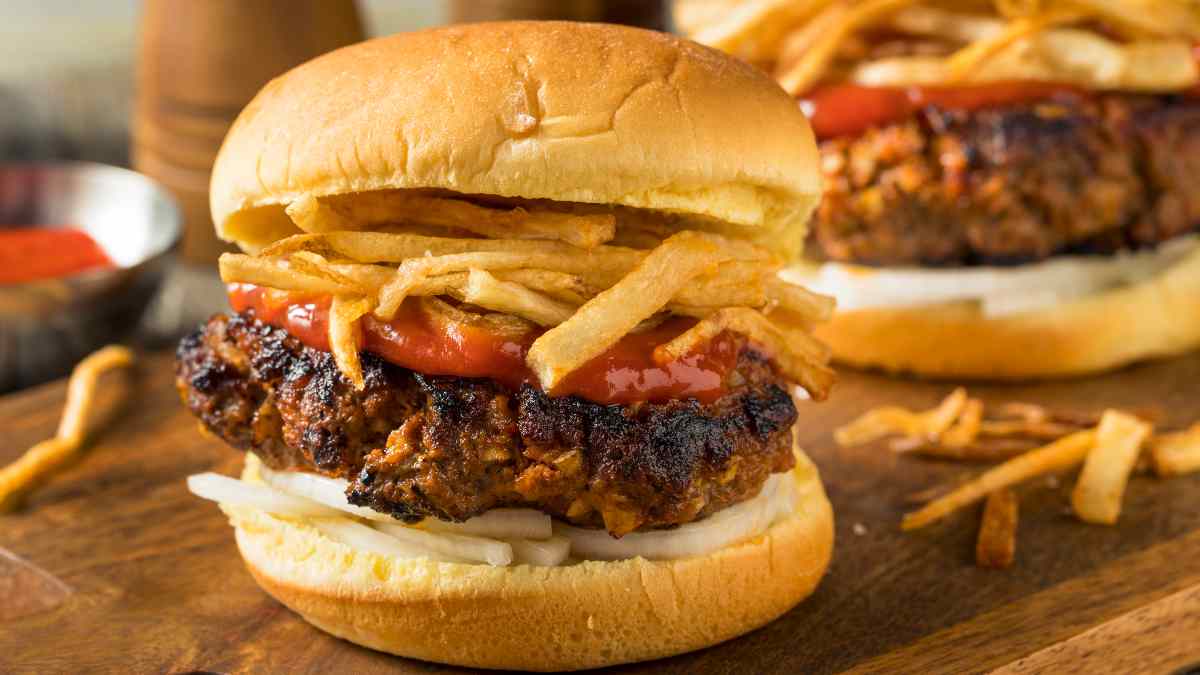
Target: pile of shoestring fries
column 536, row 267
column 1134, row 45
column 1032, row 441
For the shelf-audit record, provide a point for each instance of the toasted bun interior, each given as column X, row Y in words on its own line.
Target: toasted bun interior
column 1155, row 318
column 572, row 112
column 583, row 615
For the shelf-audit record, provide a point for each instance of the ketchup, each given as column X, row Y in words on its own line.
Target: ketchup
column 33, row 254
column 625, row 373
column 850, row 109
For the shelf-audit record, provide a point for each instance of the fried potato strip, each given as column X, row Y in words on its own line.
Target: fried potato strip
column 996, row 545
column 372, row 209
column 604, row 319
column 800, row 356
column 487, row 291
column 1178, row 453
column 345, row 334
column 1061, row 454
column 47, row 457
column 888, row 420
column 1101, row 486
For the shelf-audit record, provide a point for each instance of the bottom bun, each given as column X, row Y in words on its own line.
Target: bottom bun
column 583, row 615
column 1158, row 317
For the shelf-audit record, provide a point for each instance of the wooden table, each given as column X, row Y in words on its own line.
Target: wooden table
column 115, row 567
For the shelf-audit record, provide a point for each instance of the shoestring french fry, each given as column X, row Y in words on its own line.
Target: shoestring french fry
column 963, row 432
column 371, row 209
column 1101, row 485
column 890, row 420
column 487, row 291
column 799, row 356
column 48, row 456
column 960, row 64
column 345, row 333
column 600, row 322
column 276, row 273
column 996, row 545
column 1177, row 453
column 1061, row 454
column 1092, row 44
column 981, row 450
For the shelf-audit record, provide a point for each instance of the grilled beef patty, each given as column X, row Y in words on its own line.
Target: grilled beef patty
column 417, row 446
column 1013, row 184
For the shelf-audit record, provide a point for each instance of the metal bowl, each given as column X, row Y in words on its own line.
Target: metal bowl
column 47, row 326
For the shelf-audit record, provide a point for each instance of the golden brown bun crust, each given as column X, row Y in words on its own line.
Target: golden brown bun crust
column 1159, row 317
column 564, row 111
column 543, row 618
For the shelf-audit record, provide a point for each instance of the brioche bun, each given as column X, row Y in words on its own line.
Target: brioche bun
column 571, row 112
column 583, row 615
column 1155, row 318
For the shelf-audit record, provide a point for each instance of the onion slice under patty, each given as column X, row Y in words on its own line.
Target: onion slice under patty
column 499, row 537
column 328, row 491
column 364, row 538
column 476, row 549
column 494, row 524
column 1000, row 291
column 226, row 490
column 498, row 524
column 724, row 528
column 549, row 552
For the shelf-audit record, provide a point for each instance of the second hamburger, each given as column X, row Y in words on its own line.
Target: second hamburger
column 1009, row 185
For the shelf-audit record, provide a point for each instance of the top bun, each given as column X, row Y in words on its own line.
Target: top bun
column 543, row 110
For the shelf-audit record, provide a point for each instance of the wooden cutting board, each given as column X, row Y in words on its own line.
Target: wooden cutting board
column 114, row 567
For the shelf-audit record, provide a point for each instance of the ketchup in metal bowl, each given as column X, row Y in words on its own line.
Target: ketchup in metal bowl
column 34, row 254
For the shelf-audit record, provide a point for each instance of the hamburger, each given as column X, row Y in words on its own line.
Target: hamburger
column 1008, row 185
column 508, row 350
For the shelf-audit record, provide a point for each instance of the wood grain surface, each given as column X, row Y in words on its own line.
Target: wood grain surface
column 114, row 567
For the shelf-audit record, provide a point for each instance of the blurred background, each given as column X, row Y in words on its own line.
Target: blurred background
column 67, row 67
column 153, row 85
column 67, row 71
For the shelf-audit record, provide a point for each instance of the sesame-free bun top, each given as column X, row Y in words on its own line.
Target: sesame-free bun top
column 564, row 111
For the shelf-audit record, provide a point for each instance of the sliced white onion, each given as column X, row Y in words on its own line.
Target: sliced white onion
column 498, row 524
column 1001, row 291
column 724, row 528
column 493, row 524
column 328, row 491
column 542, row 553
column 228, row 490
column 364, row 538
column 545, row 544
column 474, row 549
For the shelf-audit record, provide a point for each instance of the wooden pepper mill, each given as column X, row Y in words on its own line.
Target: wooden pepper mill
column 199, row 63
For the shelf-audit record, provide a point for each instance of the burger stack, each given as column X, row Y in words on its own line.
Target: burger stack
column 508, row 348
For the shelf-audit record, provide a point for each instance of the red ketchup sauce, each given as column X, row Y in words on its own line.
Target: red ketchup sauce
column 33, row 254
column 851, row 109
column 626, row 373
